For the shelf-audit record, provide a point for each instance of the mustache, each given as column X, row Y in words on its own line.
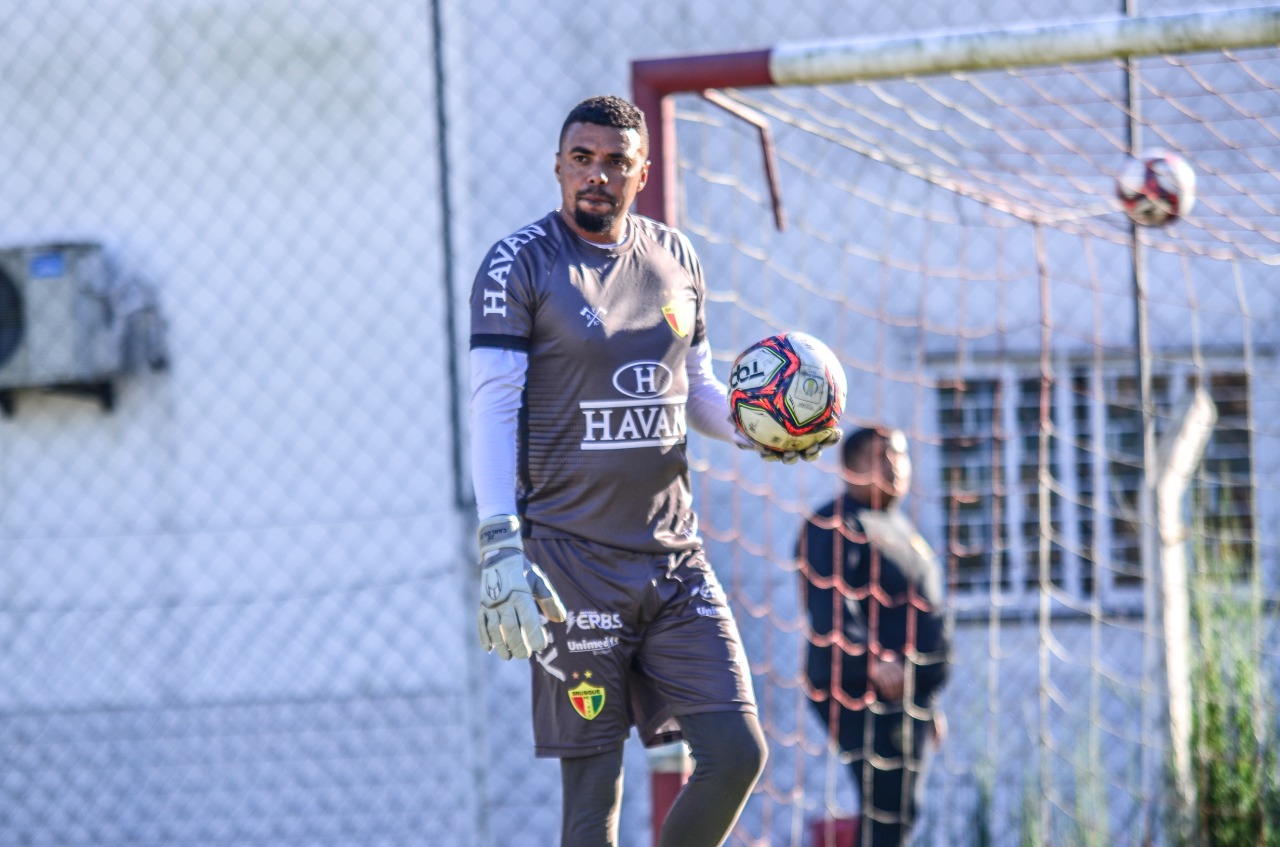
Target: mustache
column 594, row 195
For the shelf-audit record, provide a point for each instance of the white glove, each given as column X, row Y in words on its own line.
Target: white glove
column 790, row 457
column 512, row 590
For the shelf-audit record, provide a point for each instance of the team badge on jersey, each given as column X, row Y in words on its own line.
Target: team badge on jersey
column 678, row 319
column 587, row 699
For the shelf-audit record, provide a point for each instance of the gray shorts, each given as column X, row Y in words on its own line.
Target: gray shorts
column 648, row 638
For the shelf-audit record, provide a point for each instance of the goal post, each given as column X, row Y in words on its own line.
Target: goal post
column 953, row 234
column 653, row 81
column 1178, row 456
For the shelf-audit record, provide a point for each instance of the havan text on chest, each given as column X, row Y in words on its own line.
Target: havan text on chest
column 647, row 418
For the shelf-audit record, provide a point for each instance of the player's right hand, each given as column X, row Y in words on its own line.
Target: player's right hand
column 788, row 457
column 513, row 591
column 831, row 436
column 888, row 676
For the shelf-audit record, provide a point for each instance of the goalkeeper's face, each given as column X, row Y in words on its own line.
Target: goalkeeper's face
column 600, row 170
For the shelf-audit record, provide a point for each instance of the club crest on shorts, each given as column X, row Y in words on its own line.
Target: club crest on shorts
column 587, row 699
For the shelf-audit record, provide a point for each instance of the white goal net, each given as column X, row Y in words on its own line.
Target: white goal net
column 955, row 236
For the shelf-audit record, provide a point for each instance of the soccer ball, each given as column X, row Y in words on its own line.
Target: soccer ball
column 1157, row 188
column 786, row 390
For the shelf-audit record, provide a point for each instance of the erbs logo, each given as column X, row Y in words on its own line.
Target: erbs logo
column 642, row 379
column 592, row 619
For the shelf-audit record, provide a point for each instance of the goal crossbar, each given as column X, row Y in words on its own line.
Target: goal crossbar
column 851, row 60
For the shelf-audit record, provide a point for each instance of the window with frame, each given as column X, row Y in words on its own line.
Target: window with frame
column 1042, row 477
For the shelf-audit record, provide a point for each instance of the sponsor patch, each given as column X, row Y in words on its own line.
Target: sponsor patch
column 707, row 591
column 643, row 380
column 501, row 259
column 592, row 645
column 592, row 619
column 628, row 424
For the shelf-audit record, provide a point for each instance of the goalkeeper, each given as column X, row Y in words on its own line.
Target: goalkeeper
column 589, row 359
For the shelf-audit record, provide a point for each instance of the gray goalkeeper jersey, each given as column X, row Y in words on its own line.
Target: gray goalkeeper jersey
column 602, row 422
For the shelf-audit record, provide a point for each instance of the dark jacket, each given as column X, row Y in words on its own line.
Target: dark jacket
column 887, row 590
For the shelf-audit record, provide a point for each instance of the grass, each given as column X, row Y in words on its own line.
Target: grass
column 1234, row 719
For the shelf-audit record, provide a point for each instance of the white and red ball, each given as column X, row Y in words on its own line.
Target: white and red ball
column 786, row 390
column 1156, row 188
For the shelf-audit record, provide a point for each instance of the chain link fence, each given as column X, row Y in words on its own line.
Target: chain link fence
column 235, row 600
column 230, row 602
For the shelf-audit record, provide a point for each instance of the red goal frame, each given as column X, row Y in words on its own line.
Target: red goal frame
column 652, row 83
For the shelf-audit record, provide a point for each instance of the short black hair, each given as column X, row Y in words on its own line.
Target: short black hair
column 608, row 110
column 860, row 440
column 855, row 442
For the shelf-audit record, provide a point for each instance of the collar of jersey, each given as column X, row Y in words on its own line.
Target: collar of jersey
column 609, row 248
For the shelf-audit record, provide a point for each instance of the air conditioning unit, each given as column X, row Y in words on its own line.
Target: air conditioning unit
column 56, row 325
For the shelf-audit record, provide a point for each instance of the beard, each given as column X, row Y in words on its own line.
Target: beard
column 594, row 223
column 590, row 221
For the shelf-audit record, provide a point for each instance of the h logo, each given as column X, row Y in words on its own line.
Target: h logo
column 643, row 380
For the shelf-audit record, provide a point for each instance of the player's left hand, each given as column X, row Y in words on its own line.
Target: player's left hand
column 789, row 457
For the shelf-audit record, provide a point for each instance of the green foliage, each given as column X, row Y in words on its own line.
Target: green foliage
column 982, row 835
column 1029, row 830
column 1091, row 824
column 1234, row 753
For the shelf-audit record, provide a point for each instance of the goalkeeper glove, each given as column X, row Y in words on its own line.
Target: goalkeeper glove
column 512, row 590
column 789, row 457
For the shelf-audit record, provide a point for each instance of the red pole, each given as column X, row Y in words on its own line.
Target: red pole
column 652, row 80
column 669, row 769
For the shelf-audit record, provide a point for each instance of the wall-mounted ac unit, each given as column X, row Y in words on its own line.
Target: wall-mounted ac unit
column 56, row 326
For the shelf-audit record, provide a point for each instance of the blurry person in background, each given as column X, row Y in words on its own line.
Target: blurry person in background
column 879, row 644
